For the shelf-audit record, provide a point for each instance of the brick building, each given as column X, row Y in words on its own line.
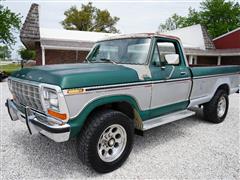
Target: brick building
column 57, row 46
column 229, row 42
column 201, row 49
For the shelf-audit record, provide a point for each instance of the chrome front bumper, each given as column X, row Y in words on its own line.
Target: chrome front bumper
column 39, row 123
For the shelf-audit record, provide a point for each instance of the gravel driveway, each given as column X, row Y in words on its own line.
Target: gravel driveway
column 189, row 148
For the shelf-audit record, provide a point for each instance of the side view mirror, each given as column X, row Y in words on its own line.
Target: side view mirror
column 172, row 59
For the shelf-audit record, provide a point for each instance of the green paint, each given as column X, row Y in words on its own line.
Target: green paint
column 162, row 74
column 79, row 75
column 215, row 70
column 177, row 46
column 77, row 123
column 166, row 109
column 100, row 74
column 157, row 74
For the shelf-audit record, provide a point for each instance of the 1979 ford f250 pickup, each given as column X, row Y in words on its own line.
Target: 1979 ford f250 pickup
column 128, row 82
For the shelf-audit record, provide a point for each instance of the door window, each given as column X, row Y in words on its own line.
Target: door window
column 166, row 48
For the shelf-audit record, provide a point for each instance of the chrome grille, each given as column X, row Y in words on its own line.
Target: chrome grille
column 27, row 95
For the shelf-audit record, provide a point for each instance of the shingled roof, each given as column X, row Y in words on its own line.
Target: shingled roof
column 30, row 33
column 193, row 37
column 207, row 39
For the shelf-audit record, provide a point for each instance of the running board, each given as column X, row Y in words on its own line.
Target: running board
column 158, row 121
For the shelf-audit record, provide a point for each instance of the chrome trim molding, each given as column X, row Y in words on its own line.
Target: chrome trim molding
column 95, row 88
column 140, row 94
column 62, row 102
column 38, row 123
column 24, row 81
column 61, row 99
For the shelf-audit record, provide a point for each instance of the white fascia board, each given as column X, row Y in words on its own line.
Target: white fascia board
column 65, row 48
column 72, row 35
column 219, row 37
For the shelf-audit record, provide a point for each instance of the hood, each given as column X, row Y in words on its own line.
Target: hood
column 79, row 75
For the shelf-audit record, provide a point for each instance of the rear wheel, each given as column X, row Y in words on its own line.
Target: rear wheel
column 216, row 110
column 106, row 140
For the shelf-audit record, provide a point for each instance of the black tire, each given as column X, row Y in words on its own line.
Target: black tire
column 210, row 109
column 88, row 140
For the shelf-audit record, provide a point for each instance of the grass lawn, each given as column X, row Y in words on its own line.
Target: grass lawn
column 9, row 68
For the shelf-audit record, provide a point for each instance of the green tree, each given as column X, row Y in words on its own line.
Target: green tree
column 9, row 23
column 5, row 53
column 218, row 16
column 173, row 22
column 27, row 54
column 89, row 18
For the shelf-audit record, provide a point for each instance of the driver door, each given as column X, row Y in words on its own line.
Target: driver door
column 171, row 81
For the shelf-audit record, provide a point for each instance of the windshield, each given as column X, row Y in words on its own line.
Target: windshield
column 123, row 51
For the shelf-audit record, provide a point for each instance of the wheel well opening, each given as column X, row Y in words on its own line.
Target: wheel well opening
column 224, row 87
column 124, row 107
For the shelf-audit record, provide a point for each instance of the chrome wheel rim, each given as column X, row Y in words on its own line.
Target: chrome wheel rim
column 112, row 143
column 221, row 106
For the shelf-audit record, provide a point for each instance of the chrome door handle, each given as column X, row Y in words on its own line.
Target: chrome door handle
column 183, row 73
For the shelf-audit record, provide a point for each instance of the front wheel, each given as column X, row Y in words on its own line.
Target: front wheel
column 106, row 140
column 216, row 110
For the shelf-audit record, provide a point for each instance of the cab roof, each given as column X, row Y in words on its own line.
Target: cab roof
column 139, row 35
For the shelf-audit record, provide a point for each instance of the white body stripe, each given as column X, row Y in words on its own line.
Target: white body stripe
column 156, row 94
column 143, row 71
column 141, row 94
column 204, row 88
column 170, row 93
column 165, row 93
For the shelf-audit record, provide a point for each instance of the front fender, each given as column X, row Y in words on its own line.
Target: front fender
column 78, row 122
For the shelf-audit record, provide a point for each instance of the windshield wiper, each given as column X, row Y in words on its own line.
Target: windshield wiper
column 108, row 60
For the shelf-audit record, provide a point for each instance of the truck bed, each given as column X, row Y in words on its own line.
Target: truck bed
column 206, row 80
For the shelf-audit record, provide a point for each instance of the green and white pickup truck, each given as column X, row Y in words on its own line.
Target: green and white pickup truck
column 128, row 82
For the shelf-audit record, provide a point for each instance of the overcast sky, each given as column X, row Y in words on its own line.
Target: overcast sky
column 135, row 16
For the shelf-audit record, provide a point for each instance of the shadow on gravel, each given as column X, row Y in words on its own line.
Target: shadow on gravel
column 59, row 160
column 53, row 160
column 168, row 132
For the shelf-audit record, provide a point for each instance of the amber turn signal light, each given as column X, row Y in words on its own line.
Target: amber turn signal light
column 57, row 114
